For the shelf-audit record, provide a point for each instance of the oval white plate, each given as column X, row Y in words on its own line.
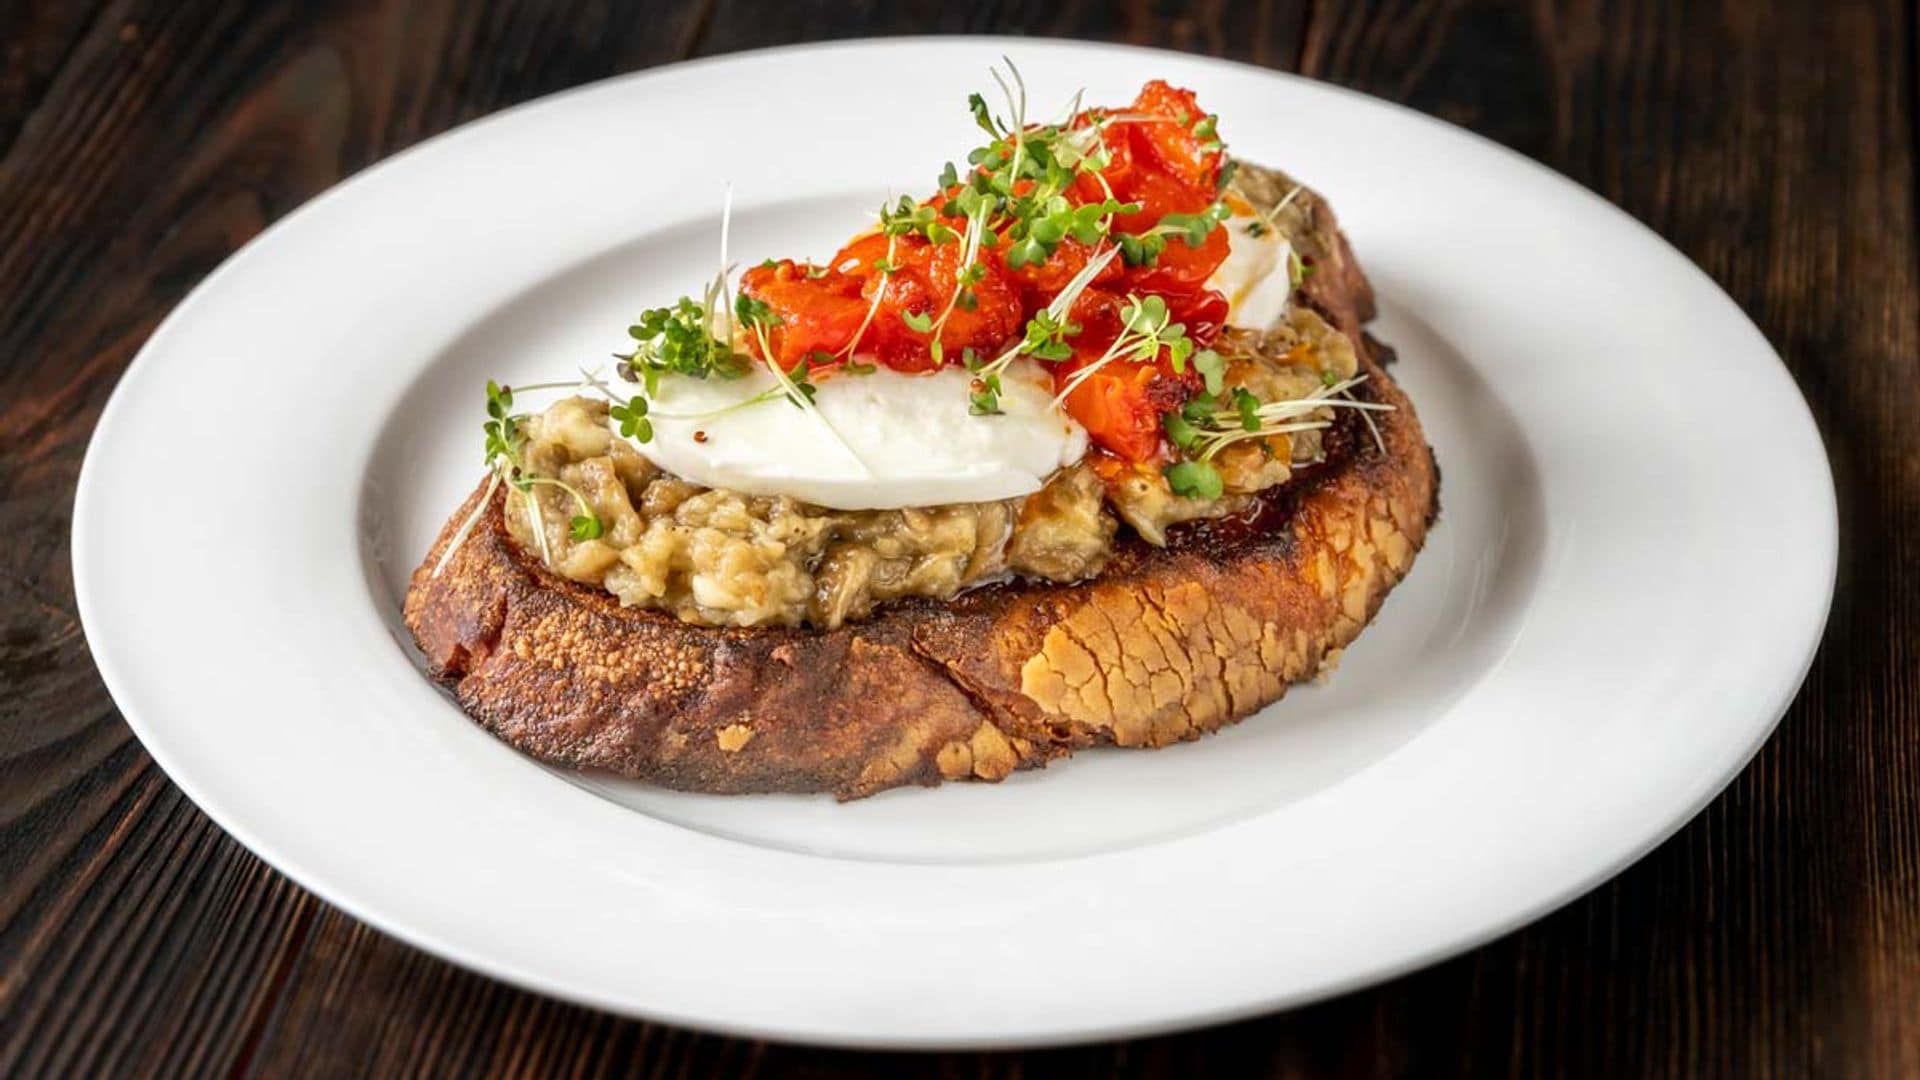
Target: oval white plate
column 1627, row 585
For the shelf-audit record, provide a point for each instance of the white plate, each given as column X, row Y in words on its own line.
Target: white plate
column 1626, row 587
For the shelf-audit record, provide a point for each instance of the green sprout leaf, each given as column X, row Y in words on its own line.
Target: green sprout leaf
column 982, row 115
column 1195, row 480
column 1227, row 172
column 1212, row 368
column 754, row 314
column 1248, row 407
column 1180, row 431
column 677, row 339
column 631, row 415
column 984, row 398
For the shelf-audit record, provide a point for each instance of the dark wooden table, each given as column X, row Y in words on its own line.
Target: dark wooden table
column 1774, row 143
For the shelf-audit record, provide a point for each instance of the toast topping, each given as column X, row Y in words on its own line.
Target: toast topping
column 981, row 386
column 1016, row 255
column 728, row 558
column 1108, row 279
column 723, row 558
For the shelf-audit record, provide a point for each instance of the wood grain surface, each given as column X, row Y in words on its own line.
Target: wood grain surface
column 1778, row 935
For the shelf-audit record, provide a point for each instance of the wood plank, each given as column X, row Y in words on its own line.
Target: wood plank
column 1268, row 32
column 35, row 42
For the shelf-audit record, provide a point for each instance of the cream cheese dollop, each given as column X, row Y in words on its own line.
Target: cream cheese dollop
column 1256, row 277
column 903, row 440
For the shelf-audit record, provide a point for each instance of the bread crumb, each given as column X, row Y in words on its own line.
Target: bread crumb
column 993, row 756
column 732, row 737
column 1328, row 664
column 955, row 760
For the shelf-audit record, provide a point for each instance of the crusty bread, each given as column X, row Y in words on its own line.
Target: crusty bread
column 1166, row 645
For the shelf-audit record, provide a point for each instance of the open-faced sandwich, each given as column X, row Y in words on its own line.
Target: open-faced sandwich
column 1087, row 448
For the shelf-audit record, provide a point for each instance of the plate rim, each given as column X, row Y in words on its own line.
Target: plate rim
column 106, row 662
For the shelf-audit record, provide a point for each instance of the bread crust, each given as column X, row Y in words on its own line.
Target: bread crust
column 1166, row 645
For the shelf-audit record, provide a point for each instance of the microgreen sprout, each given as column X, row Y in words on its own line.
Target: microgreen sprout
column 1270, row 217
column 717, row 291
column 908, row 218
column 1298, row 269
column 1145, row 330
column 505, row 444
column 1045, row 337
column 466, row 527
column 885, row 268
column 970, row 274
column 1367, row 409
column 1227, row 172
column 1205, row 129
column 1247, row 417
column 1017, row 185
column 1144, row 248
column 1212, row 368
column 679, row 340
column 1195, row 480
column 1211, row 421
column 631, row 415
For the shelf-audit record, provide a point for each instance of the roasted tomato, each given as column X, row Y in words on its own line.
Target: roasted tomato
column 1181, row 268
column 819, row 309
column 1159, row 157
column 995, row 314
column 1120, row 403
column 1161, row 154
column 1204, row 313
column 1041, row 282
column 1184, row 149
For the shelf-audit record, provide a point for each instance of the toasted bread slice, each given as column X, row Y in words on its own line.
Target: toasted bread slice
column 1166, row 645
